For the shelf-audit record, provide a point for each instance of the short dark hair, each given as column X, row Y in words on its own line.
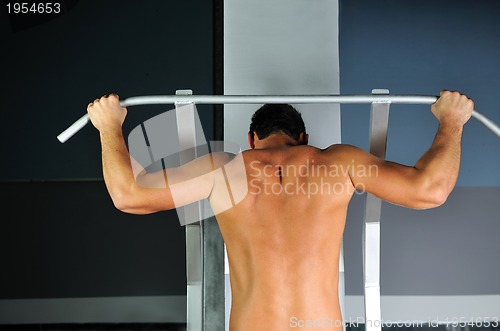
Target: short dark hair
column 276, row 118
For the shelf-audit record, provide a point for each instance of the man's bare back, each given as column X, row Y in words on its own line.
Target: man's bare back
column 283, row 236
column 283, row 239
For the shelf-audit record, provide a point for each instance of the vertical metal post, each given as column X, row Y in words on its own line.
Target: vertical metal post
column 213, row 276
column 204, row 244
column 194, row 263
column 341, row 288
column 379, row 122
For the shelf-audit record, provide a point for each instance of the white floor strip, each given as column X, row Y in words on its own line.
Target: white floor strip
column 451, row 309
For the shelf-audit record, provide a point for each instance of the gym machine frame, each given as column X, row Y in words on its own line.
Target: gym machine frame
column 204, row 244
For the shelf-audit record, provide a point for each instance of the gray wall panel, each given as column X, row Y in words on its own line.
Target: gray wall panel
column 282, row 47
column 450, row 250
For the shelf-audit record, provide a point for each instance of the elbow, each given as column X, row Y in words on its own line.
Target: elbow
column 124, row 201
column 121, row 200
column 438, row 197
column 133, row 202
column 433, row 196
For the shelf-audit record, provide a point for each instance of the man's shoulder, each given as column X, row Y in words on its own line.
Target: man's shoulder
column 343, row 153
column 304, row 151
column 340, row 148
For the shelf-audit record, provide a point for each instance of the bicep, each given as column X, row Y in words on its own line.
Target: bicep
column 177, row 187
column 390, row 181
column 153, row 192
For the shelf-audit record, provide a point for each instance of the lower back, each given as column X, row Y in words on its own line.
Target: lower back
column 283, row 248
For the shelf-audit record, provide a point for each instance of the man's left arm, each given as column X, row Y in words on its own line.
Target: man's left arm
column 429, row 182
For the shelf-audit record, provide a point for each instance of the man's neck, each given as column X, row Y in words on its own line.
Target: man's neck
column 276, row 141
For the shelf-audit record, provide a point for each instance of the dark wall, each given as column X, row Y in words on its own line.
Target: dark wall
column 65, row 239
column 61, row 235
column 51, row 71
column 422, row 47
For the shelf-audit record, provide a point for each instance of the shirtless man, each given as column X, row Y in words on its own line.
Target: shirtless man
column 283, row 239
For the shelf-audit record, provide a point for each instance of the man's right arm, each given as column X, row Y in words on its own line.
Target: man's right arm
column 430, row 181
column 131, row 188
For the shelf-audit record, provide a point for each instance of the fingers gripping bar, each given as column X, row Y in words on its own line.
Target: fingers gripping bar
column 263, row 99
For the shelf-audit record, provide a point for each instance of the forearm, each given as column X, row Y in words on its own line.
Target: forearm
column 116, row 165
column 438, row 167
column 119, row 169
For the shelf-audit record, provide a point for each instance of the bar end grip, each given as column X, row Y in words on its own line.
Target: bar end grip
column 74, row 128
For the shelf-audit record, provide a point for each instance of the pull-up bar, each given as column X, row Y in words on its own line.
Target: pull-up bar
column 263, row 99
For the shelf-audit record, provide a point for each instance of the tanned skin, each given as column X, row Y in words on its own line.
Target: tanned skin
column 283, row 237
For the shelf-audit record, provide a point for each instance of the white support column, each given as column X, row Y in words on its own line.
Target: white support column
column 379, row 121
column 342, row 281
column 282, row 47
column 204, row 244
column 194, row 264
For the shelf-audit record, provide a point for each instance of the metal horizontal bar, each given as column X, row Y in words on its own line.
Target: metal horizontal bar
column 262, row 99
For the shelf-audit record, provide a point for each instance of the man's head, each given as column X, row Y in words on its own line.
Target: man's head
column 277, row 119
